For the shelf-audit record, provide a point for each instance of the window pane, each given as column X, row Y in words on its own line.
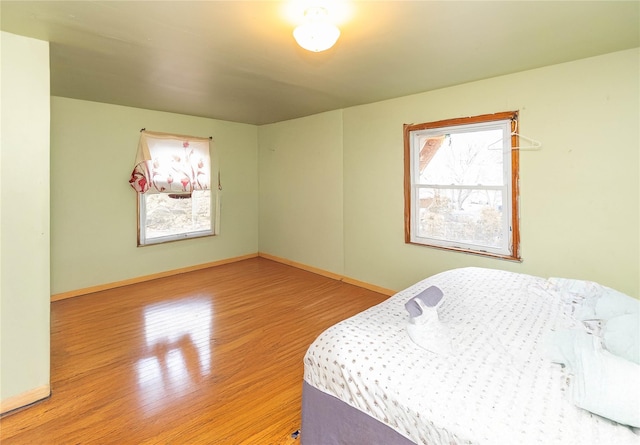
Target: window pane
column 169, row 214
column 465, row 158
column 466, row 216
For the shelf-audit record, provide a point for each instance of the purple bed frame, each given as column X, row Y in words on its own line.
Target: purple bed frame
column 327, row 420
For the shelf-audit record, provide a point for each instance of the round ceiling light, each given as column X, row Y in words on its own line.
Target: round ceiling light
column 317, row 33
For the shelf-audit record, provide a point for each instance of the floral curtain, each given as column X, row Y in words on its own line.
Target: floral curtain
column 169, row 163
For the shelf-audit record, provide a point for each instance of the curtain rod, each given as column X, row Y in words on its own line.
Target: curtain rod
column 144, row 129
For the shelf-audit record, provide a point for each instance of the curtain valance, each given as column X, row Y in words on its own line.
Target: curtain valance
column 170, row 163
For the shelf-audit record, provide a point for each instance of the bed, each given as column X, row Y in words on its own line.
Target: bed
column 512, row 371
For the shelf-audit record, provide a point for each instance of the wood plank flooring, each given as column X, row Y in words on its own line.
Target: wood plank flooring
column 208, row 357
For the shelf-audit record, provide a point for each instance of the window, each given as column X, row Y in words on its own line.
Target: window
column 170, row 217
column 461, row 185
column 172, row 177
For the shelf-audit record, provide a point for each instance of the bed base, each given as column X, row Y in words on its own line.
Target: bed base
column 327, row 420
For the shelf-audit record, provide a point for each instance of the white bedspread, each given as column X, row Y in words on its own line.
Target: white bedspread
column 495, row 388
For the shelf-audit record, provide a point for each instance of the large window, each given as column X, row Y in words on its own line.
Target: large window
column 172, row 177
column 461, row 185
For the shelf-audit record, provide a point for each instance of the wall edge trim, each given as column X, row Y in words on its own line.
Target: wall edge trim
column 26, row 398
column 168, row 273
column 325, row 273
column 142, row 279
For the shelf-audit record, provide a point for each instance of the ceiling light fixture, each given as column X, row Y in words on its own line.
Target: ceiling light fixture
column 316, row 33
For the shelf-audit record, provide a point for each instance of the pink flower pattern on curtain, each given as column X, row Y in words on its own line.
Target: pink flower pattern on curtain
column 169, row 163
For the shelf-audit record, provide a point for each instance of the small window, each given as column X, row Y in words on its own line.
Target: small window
column 461, row 185
column 174, row 216
column 172, row 177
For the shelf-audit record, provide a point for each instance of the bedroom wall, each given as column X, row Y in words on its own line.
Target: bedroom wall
column 24, row 221
column 579, row 197
column 93, row 208
column 330, row 185
column 301, row 204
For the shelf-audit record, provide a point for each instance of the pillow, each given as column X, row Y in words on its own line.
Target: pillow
column 605, row 384
column 578, row 297
column 613, row 303
column 578, row 287
column 621, row 337
column 606, row 304
column 593, row 300
column 574, row 291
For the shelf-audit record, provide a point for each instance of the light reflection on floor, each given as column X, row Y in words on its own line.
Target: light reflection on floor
column 177, row 335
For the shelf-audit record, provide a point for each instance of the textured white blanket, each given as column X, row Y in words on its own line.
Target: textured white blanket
column 496, row 386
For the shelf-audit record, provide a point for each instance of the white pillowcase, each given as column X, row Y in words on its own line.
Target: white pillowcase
column 621, row 337
column 613, row 303
column 605, row 384
column 605, row 381
column 591, row 300
column 601, row 302
column 588, row 300
column 577, row 287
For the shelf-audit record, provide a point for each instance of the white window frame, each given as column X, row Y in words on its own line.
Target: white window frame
column 506, row 122
column 143, row 240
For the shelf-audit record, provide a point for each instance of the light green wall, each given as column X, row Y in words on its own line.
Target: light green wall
column 301, row 190
column 579, row 195
column 330, row 186
column 24, row 216
column 579, row 198
column 93, row 208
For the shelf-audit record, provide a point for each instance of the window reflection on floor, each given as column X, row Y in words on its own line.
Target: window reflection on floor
column 177, row 336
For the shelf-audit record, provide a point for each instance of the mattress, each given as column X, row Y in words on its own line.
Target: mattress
column 495, row 386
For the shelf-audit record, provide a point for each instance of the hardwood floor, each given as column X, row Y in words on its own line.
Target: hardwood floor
column 208, row 357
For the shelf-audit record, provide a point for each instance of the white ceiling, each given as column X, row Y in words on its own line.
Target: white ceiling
column 237, row 60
